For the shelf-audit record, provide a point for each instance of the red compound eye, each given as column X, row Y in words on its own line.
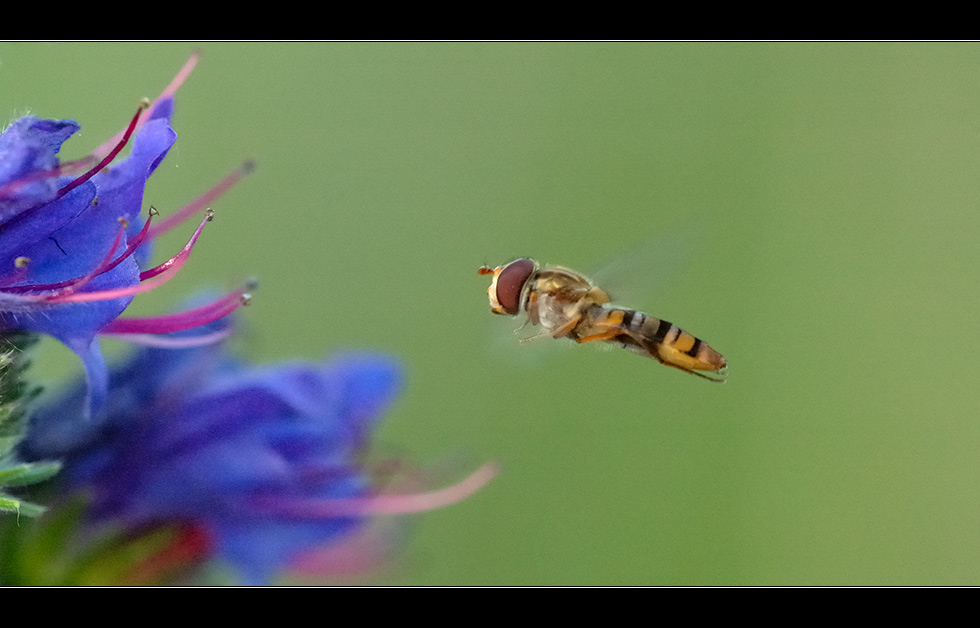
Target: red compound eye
column 511, row 282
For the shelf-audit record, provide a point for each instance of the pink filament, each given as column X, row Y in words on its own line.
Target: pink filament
column 72, row 285
column 169, row 90
column 380, row 504
column 202, row 201
column 108, row 158
column 179, row 322
column 77, row 282
column 162, row 274
column 174, row 342
column 108, row 151
column 66, row 168
column 134, row 243
column 180, row 257
column 106, row 261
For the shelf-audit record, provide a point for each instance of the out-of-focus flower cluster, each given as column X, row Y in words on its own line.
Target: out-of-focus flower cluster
column 182, row 458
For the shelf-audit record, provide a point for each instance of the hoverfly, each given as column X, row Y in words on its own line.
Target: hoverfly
column 566, row 305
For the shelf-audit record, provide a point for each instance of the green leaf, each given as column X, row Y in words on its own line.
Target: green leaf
column 28, row 473
column 14, row 505
column 15, row 393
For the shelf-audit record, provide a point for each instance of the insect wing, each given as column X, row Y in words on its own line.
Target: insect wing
column 635, row 277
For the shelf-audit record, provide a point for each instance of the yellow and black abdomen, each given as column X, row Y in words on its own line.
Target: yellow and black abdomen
column 660, row 339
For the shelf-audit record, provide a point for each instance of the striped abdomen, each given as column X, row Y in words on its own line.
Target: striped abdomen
column 659, row 339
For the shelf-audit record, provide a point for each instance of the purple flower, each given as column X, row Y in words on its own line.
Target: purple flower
column 265, row 462
column 73, row 237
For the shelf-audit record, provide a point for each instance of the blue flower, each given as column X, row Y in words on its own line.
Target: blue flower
column 266, row 461
column 73, row 238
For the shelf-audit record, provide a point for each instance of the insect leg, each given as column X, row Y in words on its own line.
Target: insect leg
column 605, row 335
column 720, row 379
column 560, row 332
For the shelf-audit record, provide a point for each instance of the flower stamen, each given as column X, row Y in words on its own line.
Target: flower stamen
column 203, row 200
column 167, row 92
column 79, row 282
column 104, row 267
column 181, row 256
column 112, row 153
column 378, row 504
column 162, row 273
column 175, row 342
column 181, row 321
column 67, row 168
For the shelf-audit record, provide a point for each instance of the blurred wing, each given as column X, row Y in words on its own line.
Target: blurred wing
column 635, row 277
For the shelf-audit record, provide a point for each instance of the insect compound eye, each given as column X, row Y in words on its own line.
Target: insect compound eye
column 510, row 283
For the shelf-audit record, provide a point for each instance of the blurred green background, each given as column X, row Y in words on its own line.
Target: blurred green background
column 828, row 203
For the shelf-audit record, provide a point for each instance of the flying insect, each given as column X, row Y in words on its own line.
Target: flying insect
column 567, row 305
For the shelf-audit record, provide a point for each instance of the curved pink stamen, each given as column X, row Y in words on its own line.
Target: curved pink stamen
column 182, row 74
column 64, row 169
column 108, row 158
column 134, row 243
column 162, row 274
column 107, row 151
column 173, row 342
column 181, row 321
column 203, row 200
column 106, row 260
column 72, row 285
column 181, row 256
column 117, row 293
column 169, row 90
column 379, row 504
